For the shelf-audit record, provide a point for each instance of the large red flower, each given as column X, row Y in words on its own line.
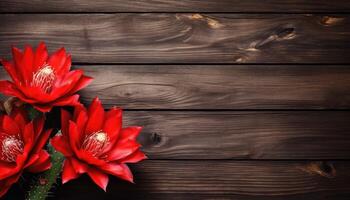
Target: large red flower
column 42, row 80
column 94, row 142
column 21, row 147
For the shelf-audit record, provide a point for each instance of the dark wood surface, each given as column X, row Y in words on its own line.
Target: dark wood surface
column 238, row 99
column 220, row 87
column 295, row 6
column 184, row 37
column 243, row 135
column 222, row 180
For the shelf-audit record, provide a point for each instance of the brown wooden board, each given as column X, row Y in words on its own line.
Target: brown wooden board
column 184, row 38
column 175, row 6
column 218, row 87
column 243, row 135
column 222, row 180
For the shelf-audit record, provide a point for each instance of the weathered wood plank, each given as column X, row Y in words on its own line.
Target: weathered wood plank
column 220, row 87
column 222, row 180
column 243, row 135
column 184, row 38
column 175, row 6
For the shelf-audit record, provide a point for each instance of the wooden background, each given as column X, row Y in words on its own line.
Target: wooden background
column 239, row 99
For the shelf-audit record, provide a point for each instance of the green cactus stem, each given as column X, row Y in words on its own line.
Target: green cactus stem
column 40, row 189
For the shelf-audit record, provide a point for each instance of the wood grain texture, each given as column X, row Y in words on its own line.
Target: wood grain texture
column 184, row 38
column 175, row 6
column 243, row 135
column 219, row 87
column 222, row 180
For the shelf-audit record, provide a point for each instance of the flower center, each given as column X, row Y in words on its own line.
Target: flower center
column 11, row 148
column 44, row 78
column 96, row 142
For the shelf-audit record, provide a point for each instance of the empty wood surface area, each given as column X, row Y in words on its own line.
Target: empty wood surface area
column 222, row 180
column 184, row 37
column 220, row 87
column 243, row 135
column 295, row 6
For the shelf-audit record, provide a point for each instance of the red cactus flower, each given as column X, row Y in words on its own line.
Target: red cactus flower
column 41, row 80
column 94, row 142
column 21, row 143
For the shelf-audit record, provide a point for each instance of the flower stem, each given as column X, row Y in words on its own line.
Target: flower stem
column 40, row 189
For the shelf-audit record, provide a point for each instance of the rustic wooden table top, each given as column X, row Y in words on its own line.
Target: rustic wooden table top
column 239, row 99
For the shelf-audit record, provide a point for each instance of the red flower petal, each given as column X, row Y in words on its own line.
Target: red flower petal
column 89, row 158
column 65, row 101
column 81, row 120
column 41, row 164
column 17, row 58
column 41, row 140
column 10, row 68
column 30, row 94
column 9, row 89
column 68, row 172
column 123, row 150
column 74, row 139
column 27, row 68
column 137, row 156
column 82, row 83
column 64, row 85
column 58, row 59
column 20, row 117
column 96, row 117
column 33, row 158
column 98, row 177
column 9, row 126
column 129, row 133
column 120, row 170
column 28, row 133
column 113, row 123
column 65, row 117
column 78, row 166
column 7, row 169
column 62, row 145
column 77, row 110
column 40, row 56
column 66, row 66
column 38, row 125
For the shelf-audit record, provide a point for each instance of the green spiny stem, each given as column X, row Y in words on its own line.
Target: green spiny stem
column 41, row 188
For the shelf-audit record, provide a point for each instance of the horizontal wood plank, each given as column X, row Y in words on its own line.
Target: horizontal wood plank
column 175, row 6
column 184, row 38
column 219, row 87
column 243, row 135
column 222, row 180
